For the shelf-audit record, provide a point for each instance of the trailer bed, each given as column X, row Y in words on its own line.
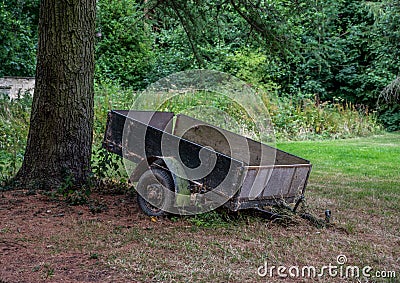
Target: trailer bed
column 246, row 173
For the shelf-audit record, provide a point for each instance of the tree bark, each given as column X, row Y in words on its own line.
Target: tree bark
column 61, row 127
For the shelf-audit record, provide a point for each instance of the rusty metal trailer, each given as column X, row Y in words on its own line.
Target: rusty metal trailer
column 243, row 173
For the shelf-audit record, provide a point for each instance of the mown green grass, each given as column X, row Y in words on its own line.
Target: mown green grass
column 375, row 156
column 354, row 170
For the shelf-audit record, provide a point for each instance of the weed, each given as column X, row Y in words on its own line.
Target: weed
column 305, row 120
column 349, row 227
column 48, row 271
column 94, row 256
column 108, row 173
column 105, row 164
column 210, row 219
column 96, row 206
column 73, row 194
column 77, row 197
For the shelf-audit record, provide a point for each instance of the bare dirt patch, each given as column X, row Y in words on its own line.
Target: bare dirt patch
column 38, row 238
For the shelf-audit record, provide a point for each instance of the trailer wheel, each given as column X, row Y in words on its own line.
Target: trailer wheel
column 152, row 197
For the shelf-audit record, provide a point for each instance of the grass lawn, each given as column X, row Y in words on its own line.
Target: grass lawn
column 362, row 173
column 357, row 179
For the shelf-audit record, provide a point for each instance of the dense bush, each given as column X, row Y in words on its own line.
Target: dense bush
column 123, row 49
column 389, row 106
column 18, row 37
column 293, row 119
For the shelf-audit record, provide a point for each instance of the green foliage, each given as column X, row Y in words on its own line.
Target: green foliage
column 109, row 95
column 172, row 53
column 366, row 58
column 362, row 74
column 390, row 117
column 344, row 49
column 109, row 173
column 249, row 66
column 211, row 219
column 389, row 106
column 14, row 124
column 292, row 118
column 303, row 119
column 78, row 197
column 18, row 37
column 204, row 34
column 106, row 164
column 205, row 105
column 72, row 194
column 108, row 169
column 123, row 51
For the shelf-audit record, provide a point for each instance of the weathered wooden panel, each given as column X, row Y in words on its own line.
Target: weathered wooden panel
column 116, row 126
column 159, row 120
column 279, row 182
column 299, row 180
column 273, row 182
column 254, row 183
column 239, row 147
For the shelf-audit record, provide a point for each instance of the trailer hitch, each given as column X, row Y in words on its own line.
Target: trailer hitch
column 300, row 200
column 266, row 214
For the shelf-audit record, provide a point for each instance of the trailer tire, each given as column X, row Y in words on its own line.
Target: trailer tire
column 151, row 195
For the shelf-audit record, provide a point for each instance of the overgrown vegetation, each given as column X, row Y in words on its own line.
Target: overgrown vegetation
column 18, row 37
column 305, row 119
column 317, row 83
column 292, row 120
column 346, row 51
column 389, row 105
column 14, row 124
column 123, row 49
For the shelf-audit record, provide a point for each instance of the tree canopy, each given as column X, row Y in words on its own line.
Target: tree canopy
column 345, row 50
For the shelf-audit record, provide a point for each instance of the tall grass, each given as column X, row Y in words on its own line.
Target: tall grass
column 14, row 125
column 215, row 109
column 108, row 96
column 304, row 119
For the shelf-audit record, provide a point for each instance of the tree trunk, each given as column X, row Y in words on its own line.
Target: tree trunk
column 61, row 127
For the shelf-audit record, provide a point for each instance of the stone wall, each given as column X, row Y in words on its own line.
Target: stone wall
column 17, row 85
